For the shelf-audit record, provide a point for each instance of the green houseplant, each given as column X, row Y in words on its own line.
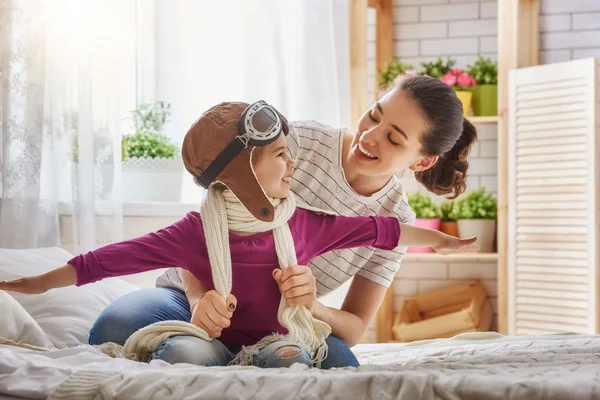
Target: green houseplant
column 448, row 216
column 152, row 167
column 476, row 213
column 427, row 216
column 437, row 69
column 390, row 74
column 485, row 94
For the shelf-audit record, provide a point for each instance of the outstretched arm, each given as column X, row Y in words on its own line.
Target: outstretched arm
column 60, row 277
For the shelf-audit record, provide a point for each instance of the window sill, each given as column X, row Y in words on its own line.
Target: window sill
column 136, row 209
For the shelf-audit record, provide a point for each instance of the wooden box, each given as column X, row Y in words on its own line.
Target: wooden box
column 444, row 313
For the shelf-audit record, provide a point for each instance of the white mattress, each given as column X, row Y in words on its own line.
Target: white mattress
column 470, row 366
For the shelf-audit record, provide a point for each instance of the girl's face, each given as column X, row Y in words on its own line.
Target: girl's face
column 388, row 138
column 273, row 168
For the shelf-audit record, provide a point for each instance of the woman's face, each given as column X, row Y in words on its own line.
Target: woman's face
column 388, row 138
column 273, row 168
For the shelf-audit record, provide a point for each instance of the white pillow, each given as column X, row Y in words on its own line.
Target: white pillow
column 66, row 315
column 18, row 326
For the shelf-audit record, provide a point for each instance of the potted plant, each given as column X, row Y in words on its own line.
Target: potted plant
column 485, row 93
column 390, row 75
column 152, row 167
column 448, row 223
column 462, row 84
column 476, row 213
column 437, row 69
column 427, row 216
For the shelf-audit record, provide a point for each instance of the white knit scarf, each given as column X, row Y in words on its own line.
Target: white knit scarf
column 221, row 212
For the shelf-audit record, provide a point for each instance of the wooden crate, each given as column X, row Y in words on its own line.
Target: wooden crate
column 444, row 313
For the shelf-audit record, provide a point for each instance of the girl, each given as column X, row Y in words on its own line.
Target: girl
column 247, row 226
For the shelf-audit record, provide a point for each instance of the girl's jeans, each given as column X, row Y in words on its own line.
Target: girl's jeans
column 143, row 307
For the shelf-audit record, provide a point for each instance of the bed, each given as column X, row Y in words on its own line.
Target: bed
column 469, row 366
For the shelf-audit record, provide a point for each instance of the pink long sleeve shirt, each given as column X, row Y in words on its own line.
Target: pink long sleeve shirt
column 253, row 260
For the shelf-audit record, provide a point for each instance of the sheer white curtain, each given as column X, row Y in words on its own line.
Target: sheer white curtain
column 293, row 54
column 67, row 81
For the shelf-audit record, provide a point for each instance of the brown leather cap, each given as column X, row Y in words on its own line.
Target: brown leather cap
column 207, row 138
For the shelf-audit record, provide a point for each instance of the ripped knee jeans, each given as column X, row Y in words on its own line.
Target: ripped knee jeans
column 193, row 350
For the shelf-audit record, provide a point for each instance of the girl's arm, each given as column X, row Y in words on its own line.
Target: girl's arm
column 440, row 242
column 60, row 277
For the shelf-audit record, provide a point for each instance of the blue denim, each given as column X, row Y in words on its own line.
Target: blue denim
column 143, row 307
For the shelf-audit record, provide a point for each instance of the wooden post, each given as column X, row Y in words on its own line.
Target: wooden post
column 358, row 58
column 518, row 38
column 384, row 38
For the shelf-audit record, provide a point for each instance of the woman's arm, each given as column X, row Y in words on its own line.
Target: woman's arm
column 358, row 310
column 194, row 289
column 60, row 277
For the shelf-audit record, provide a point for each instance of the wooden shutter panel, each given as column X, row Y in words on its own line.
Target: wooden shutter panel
column 553, row 199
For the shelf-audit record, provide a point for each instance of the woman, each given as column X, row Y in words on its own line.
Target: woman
column 418, row 125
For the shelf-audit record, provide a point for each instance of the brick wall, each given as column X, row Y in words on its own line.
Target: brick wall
column 569, row 30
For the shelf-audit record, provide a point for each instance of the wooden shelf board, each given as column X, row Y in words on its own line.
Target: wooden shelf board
column 434, row 257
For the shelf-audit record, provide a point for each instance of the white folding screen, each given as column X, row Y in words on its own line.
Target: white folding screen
column 553, row 199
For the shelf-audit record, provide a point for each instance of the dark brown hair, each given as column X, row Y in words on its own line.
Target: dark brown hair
column 449, row 135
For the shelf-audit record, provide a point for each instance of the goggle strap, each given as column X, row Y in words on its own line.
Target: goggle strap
column 218, row 165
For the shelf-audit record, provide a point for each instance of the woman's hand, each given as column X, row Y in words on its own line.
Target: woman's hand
column 30, row 285
column 297, row 285
column 212, row 313
column 450, row 245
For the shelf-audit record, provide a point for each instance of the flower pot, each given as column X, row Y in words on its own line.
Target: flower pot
column 485, row 100
column 484, row 229
column 465, row 98
column 429, row 223
column 449, row 228
column 152, row 179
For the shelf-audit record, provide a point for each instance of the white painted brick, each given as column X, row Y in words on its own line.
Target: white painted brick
column 489, row 148
column 484, row 166
column 371, row 32
column 450, row 12
column 371, row 16
column 371, row 68
column 491, row 56
column 416, row 61
column 473, row 28
column 370, row 81
column 586, row 21
column 472, row 271
column 472, row 180
column 439, row 47
column 487, row 131
column 406, row 48
column 555, row 23
column 423, row 30
column 464, row 61
column 488, row 44
column 429, row 285
column 474, row 150
column 488, row 9
column 585, row 53
column 554, row 56
column 398, row 300
column 405, row 287
column 371, row 51
column 423, row 270
column 490, row 182
column 491, row 287
column 406, row 14
column 417, row 2
column 566, row 6
column 570, row 40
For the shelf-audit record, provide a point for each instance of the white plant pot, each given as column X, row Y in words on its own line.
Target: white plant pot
column 484, row 229
column 152, row 179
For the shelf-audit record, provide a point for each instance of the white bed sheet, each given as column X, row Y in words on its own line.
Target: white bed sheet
column 471, row 366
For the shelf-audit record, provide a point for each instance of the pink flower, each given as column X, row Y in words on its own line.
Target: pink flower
column 464, row 80
column 457, row 71
column 473, row 82
column 449, row 79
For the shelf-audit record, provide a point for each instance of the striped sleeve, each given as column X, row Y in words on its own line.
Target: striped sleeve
column 383, row 265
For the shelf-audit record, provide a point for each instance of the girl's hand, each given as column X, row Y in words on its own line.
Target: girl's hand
column 450, row 245
column 297, row 285
column 30, row 285
column 212, row 313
